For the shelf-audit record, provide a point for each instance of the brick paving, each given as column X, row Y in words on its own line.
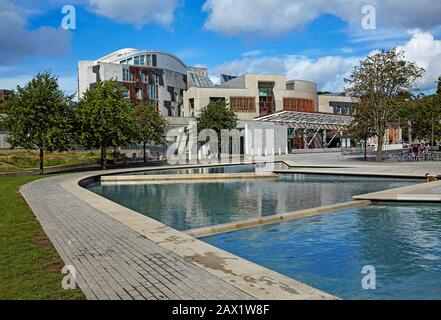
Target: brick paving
column 111, row 260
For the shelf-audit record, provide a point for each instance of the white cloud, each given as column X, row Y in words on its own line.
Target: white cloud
column 425, row 51
column 17, row 42
column 136, row 12
column 67, row 83
column 271, row 17
column 329, row 71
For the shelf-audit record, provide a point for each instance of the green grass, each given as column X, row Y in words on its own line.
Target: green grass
column 30, row 267
column 29, row 159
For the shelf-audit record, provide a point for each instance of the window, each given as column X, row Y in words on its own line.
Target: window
column 128, row 76
column 155, row 79
column 144, row 77
column 297, row 104
column 126, row 92
column 153, row 92
column 148, row 59
column 139, row 94
column 217, row 99
column 142, row 60
column 243, row 104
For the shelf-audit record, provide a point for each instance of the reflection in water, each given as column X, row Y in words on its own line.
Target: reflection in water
column 402, row 241
column 188, row 205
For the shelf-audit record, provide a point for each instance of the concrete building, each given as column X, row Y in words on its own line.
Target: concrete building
column 4, row 95
column 291, row 113
column 292, row 110
column 147, row 75
column 254, row 95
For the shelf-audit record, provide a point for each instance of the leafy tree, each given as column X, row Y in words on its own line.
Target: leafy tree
column 361, row 128
column 438, row 90
column 104, row 118
column 150, row 125
column 39, row 115
column 216, row 116
column 379, row 82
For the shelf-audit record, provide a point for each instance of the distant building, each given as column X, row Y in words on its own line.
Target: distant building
column 4, row 95
column 299, row 116
column 147, row 75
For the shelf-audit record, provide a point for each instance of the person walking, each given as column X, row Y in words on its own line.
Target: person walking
column 416, row 151
column 426, row 152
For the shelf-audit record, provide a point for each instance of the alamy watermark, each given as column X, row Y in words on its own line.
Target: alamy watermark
column 369, row 281
column 247, row 145
column 369, row 20
column 69, row 281
column 69, row 21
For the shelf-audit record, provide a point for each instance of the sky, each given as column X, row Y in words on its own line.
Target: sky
column 314, row 40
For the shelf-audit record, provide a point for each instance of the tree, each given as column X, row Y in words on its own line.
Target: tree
column 216, row 116
column 438, row 90
column 150, row 125
column 39, row 115
column 361, row 128
column 379, row 82
column 104, row 118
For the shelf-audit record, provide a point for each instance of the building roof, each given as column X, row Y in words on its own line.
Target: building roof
column 200, row 81
column 309, row 120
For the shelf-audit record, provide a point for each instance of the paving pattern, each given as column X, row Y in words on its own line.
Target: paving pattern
column 111, row 260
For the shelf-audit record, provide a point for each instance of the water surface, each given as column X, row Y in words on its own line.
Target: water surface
column 190, row 204
column 402, row 242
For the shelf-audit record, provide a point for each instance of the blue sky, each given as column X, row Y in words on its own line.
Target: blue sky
column 316, row 40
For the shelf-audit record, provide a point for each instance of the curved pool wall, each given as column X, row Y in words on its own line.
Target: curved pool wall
column 401, row 240
column 197, row 204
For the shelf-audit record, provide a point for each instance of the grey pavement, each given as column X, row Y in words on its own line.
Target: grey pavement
column 112, row 261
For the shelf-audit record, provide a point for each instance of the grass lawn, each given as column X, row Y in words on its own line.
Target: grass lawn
column 13, row 160
column 30, row 267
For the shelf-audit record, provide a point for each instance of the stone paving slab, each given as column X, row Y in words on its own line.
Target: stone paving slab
column 112, row 260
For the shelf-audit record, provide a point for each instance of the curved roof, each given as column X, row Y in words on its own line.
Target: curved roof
column 131, row 52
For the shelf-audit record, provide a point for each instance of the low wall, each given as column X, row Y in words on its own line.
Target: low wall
column 3, row 143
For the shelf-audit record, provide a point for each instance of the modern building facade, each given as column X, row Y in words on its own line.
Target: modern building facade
column 254, row 95
column 292, row 110
column 147, row 75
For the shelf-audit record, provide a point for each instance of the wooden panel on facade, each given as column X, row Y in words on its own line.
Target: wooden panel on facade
column 243, row 104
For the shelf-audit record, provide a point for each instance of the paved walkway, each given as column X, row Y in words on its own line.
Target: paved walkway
column 112, row 260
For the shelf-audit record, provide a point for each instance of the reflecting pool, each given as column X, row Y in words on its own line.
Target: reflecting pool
column 192, row 204
column 402, row 241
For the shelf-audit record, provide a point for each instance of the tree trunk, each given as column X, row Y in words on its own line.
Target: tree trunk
column 41, row 160
column 380, row 149
column 365, row 149
column 433, row 139
column 145, row 156
column 103, row 158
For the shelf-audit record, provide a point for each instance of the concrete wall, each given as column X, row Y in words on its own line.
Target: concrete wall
column 263, row 138
column 3, row 143
column 324, row 100
column 201, row 96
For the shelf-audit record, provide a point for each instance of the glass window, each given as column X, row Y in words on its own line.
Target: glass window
column 126, row 92
column 128, row 76
column 136, row 60
column 148, row 60
column 142, row 60
column 153, row 92
column 139, row 94
column 155, row 79
column 144, row 77
column 130, row 61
